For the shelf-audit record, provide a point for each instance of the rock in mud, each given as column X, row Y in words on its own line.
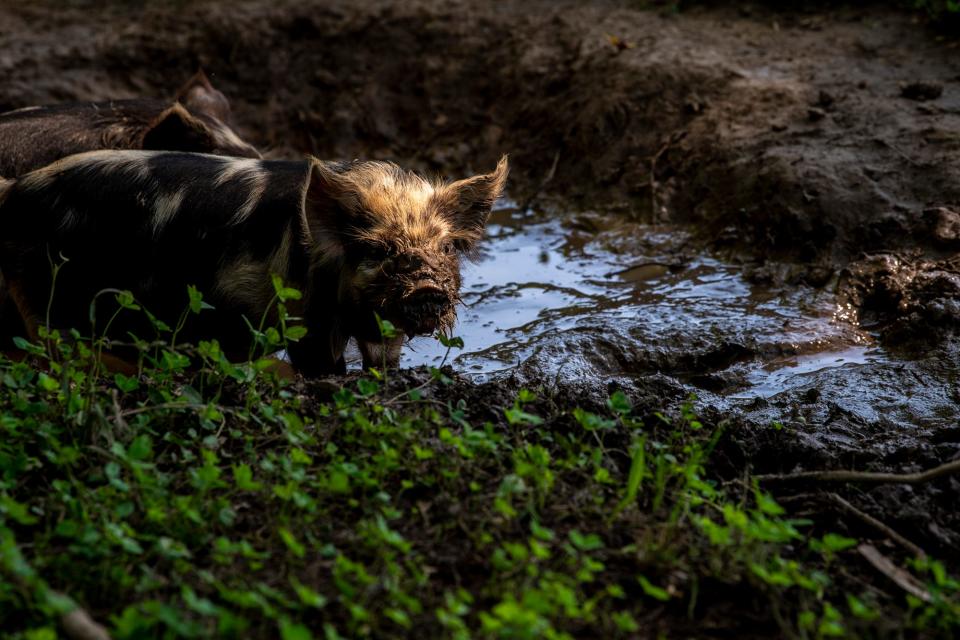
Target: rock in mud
column 907, row 297
column 944, row 225
column 922, row 91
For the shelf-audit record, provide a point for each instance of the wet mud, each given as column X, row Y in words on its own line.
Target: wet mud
column 582, row 296
column 756, row 207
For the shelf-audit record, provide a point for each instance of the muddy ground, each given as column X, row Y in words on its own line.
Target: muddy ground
column 816, row 151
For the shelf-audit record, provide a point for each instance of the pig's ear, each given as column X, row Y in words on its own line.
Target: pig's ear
column 176, row 130
column 330, row 206
column 199, row 96
column 467, row 204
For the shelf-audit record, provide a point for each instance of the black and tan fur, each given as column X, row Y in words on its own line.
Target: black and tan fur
column 356, row 238
column 197, row 119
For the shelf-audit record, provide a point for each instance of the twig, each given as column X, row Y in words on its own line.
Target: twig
column 397, row 398
column 103, row 452
column 78, row 625
column 778, row 618
column 866, row 477
column 876, row 524
column 173, row 405
column 422, row 385
column 675, row 138
column 543, row 183
column 899, row 576
column 896, row 150
column 118, row 412
column 421, row 401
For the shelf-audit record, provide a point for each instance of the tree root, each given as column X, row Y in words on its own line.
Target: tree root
column 866, row 477
column 877, row 524
column 864, row 517
column 899, row 576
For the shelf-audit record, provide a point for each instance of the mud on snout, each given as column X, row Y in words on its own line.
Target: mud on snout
column 423, row 303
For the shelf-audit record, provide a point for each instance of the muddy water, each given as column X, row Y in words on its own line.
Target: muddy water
column 582, row 295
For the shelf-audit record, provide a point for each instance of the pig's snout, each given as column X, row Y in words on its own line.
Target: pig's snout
column 424, row 307
column 427, row 293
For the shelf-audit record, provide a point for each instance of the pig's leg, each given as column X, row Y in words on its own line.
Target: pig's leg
column 319, row 353
column 28, row 314
column 10, row 325
column 283, row 370
column 376, row 354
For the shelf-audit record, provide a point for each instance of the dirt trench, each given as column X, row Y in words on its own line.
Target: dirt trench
column 810, row 145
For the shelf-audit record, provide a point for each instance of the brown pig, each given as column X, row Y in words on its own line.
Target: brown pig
column 197, row 119
column 358, row 239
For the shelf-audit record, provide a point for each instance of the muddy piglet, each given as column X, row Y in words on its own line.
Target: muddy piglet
column 359, row 239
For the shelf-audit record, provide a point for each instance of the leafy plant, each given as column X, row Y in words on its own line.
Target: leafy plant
column 207, row 498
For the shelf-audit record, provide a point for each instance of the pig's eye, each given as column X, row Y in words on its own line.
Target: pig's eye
column 449, row 249
column 376, row 252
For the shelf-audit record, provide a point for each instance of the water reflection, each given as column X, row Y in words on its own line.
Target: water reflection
column 541, row 280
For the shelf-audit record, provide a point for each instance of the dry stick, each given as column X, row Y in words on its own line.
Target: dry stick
column 867, row 477
column 863, row 516
column 674, row 139
column 118, row 412
column 78, row 625
column 172, row 405
column 543, row 183
column 896, row 150
column 876, row 524
column 778, row 618
column 899, row 576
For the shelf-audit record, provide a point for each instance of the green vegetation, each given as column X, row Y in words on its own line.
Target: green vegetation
column 939, row 9
column 204, row 498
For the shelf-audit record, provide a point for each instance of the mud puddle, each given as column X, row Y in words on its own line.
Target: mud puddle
column 783, row 373
column 548, row 290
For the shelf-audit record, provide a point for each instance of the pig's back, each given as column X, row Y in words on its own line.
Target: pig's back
column 154, row 196
column 33, row 137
